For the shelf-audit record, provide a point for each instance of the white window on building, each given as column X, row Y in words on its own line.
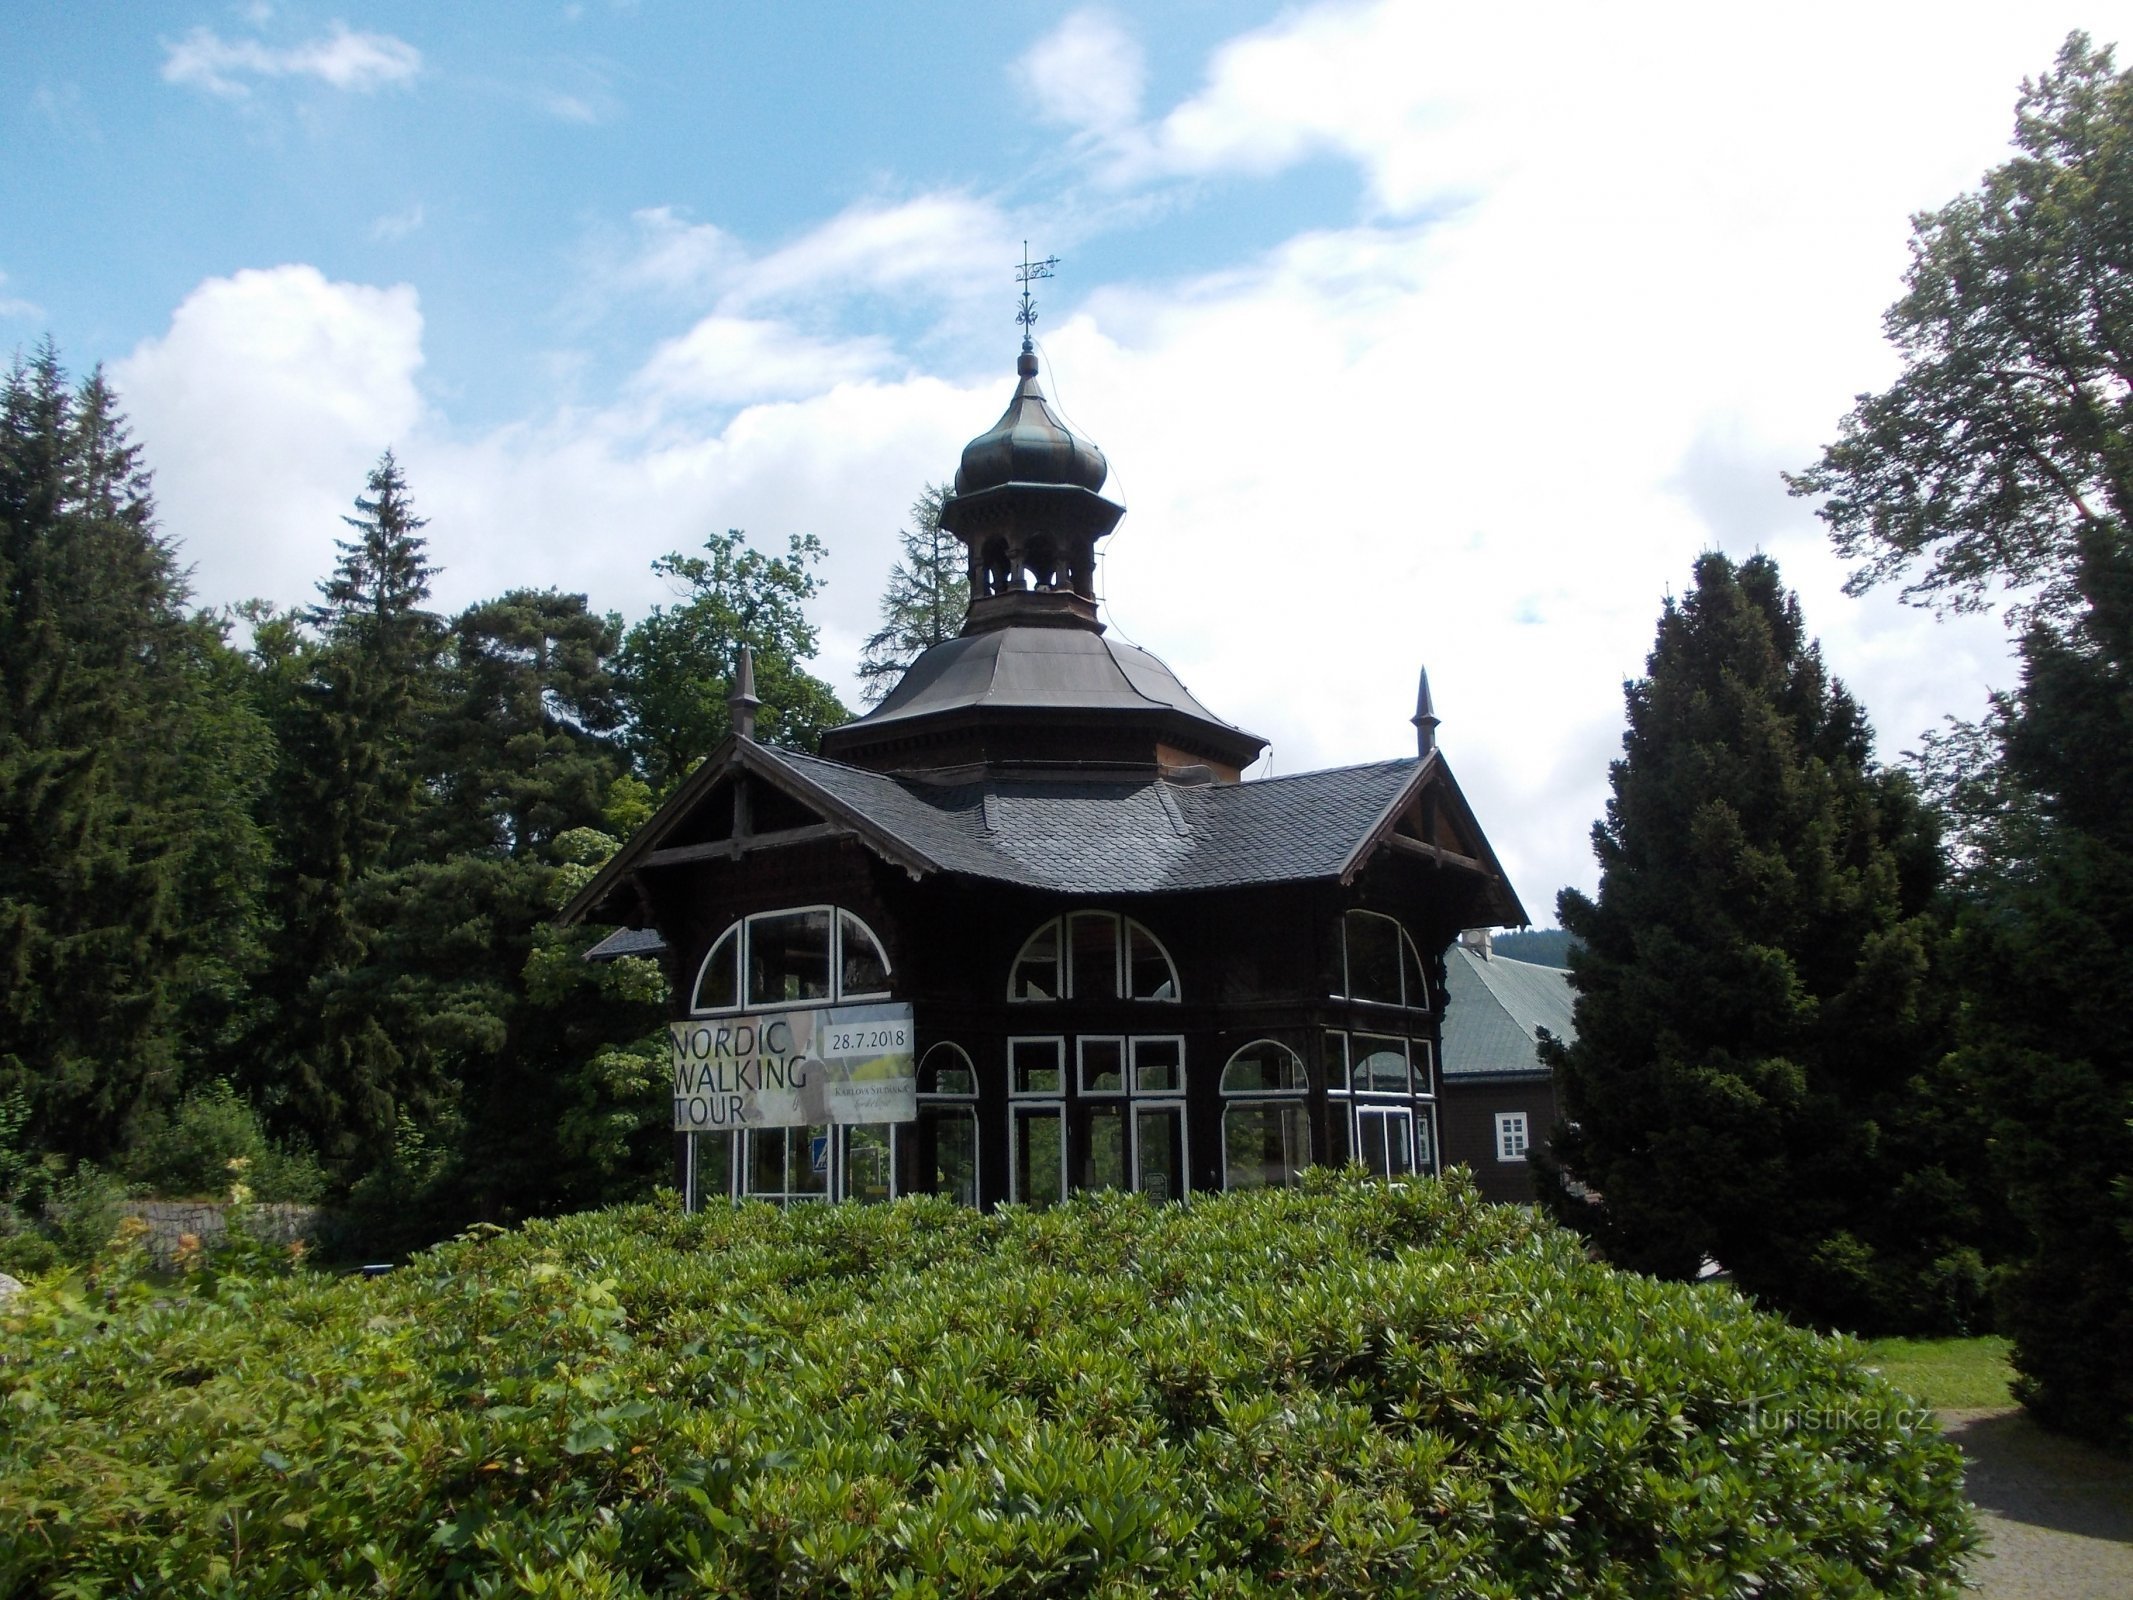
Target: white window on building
column 1510, row 1136
column 1092, row 955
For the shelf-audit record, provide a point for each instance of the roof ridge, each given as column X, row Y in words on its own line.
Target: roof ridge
column 1321, row 772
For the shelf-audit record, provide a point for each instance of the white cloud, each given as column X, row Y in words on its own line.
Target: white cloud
column 397, row 225
column 260, row 410
column 1087, row 73
column 14, row 308
column 360, row 63
column 731, row 360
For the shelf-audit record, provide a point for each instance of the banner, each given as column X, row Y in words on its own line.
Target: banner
column 794, row 1069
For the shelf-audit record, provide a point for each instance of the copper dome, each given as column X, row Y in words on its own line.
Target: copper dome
column 1029, row 444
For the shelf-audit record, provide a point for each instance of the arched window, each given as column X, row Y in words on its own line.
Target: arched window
column 1266, row 1136
column 1092, row 955
column 785, row 958
column 1379, row 962
column 947, row 1130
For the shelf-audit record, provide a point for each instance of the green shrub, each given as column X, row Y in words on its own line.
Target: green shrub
column 83, row 1210
column 187, row 1153
column 1356, row 1389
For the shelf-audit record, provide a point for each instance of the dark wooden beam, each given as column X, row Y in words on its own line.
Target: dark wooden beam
column 733, row 849
column 1438, row 854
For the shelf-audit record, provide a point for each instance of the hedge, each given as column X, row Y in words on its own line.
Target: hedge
column 1348, row 1389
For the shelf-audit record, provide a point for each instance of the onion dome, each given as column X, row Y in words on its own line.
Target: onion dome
column 1029, row 444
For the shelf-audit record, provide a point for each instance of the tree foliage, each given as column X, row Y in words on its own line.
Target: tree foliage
column 923, row 604
column 352, row 705
column 676, row 665
column 2001, row 462
column 2007, row 434
column 1758, row 1017
column 128, row 860
column 2046, row 946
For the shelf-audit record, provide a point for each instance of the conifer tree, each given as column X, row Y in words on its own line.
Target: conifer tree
column 923, row 605
column 1757, row 1013
column 352, row 709
column 128, row 859
column 2045, row 947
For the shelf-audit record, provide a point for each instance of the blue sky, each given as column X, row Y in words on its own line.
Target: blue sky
column 1414, row 331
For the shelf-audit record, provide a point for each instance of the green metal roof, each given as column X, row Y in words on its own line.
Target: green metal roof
column 1495, row 1011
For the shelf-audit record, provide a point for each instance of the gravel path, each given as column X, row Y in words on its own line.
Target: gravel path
column 2057, row 1516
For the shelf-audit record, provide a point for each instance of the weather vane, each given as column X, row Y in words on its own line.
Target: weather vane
column 1026, row 274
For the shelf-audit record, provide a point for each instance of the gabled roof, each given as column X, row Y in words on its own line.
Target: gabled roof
column 1093, row 836
column 1495, row 1011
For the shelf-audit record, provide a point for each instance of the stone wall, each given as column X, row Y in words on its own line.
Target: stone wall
column 170, row 1220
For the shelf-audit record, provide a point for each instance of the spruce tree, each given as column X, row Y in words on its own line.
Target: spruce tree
column 352, row 708
column 923, row 605
column 1757, row 1014
column 128, row 857
column 522, row 758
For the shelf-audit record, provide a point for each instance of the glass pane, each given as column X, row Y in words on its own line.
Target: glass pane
column 1264, row 1145
column 1034, row 1065
column 718, row 986
column 1340, row 1133
column 869, row 1163
column 1103, row 1066
column 1040, row 1157
column 808, row 1166
column 1380, row 1064
column 1036, row 974
column 1148, row 971
column 1159, row 1140
column 1373, row 957
column 1425, row 1141
column 766, row 1161
column 1095, row 940
column 1263, row 1068
column 951, row 1133
column 788, row 957
column 1387, row 1141
column 1107, row 1167
column 947, row 1070
column 1159, row 1066
column 1417, row 992
column 1336, row 1063
column 712, row 1171
column 1423, row 1054
column 866, row 969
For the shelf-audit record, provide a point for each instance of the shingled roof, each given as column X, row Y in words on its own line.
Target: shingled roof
column 1091, row 836
column 1496, row 1010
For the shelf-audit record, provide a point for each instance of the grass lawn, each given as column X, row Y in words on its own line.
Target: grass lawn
column 1948, row 1374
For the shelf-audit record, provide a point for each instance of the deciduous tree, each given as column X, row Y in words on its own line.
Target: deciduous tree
column 676, row 665
column 2000, row 464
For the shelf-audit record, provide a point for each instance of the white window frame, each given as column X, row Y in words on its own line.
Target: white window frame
column 1060, row 929
column 738, row 931
column 1295, row 1101
column 1408, row 950
column 1512, row 1125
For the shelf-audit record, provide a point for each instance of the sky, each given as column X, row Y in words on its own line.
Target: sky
column 1416, row 333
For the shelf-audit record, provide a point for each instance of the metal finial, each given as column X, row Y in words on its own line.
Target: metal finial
column 1425, row 718
column 1026, row 274
column 742, row 703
